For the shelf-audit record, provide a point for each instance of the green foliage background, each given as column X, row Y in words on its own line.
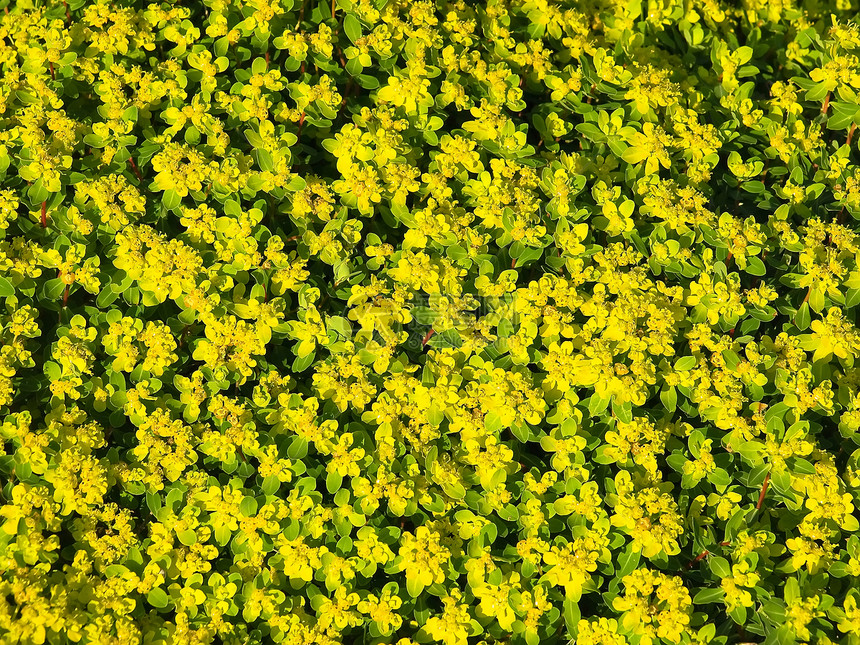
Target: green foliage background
column 522, row 321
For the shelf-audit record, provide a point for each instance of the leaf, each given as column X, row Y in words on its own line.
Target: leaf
column 623, row 412
column 802, row 319
column 187, row 537
column 270, row 485
column 685, row 363
column 521, row 431
column 596, row 405
column 414, row 587
column 53, row 289
column 591, row 132
column 352, row 28
column 755, row 267
column 720, row 566
column 303, row 363
column 248, row 506
column 333, row 482
column 6, row 288
column 816, row 300
column 628, row 561
column 754, row 187
column 158, row 598
column 222, row 534
column 708, row 596
column 669, row 398
column 170, row 199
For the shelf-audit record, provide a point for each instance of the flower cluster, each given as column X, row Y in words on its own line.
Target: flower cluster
column 429, row 321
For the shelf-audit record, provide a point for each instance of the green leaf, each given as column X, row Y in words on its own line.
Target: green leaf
column 852, row 298
column 222, row 534
column 187, row 537
column 708, row 596
column 669, row 398
column 414, row 587
column 352, row 28
column 623, row 412
column 53, row 289
column 802, row 319
column 754, row 187
column 755, row 267
column 720, row 566
column 304, row 362
column 170, row 199
column 628, row 561
column 6, row 288
column 685, row 363
column 248, row 506
column 816, row 300
column 158, row 598
column 270, row 485
column 333, row 482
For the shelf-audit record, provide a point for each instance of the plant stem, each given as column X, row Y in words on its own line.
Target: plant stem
column 301, row 123
column 135, row 169
column 704, row 554
column 764, row 487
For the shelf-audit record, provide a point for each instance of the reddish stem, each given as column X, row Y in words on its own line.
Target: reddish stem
column 826, row 104
column 68, row 13
column 850, row 134
column 427, row 337
column 301, row 123
column 763, row 492
column 267, row 60
column 704, row 554
column 135, row 169
column 65, row 296
column 51, row 67
column 44, row 215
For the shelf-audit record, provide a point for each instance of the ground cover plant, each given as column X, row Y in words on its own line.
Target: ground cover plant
column 392, row 321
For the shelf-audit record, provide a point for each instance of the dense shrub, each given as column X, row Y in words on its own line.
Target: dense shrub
column 522, row 321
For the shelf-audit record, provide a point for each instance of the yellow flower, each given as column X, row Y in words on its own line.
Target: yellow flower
column 654, row 606
column 453, row 626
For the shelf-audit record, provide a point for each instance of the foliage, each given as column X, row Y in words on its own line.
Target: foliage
column 394, row 321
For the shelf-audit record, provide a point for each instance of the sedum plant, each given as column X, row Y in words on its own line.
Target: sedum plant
column 408, row 322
